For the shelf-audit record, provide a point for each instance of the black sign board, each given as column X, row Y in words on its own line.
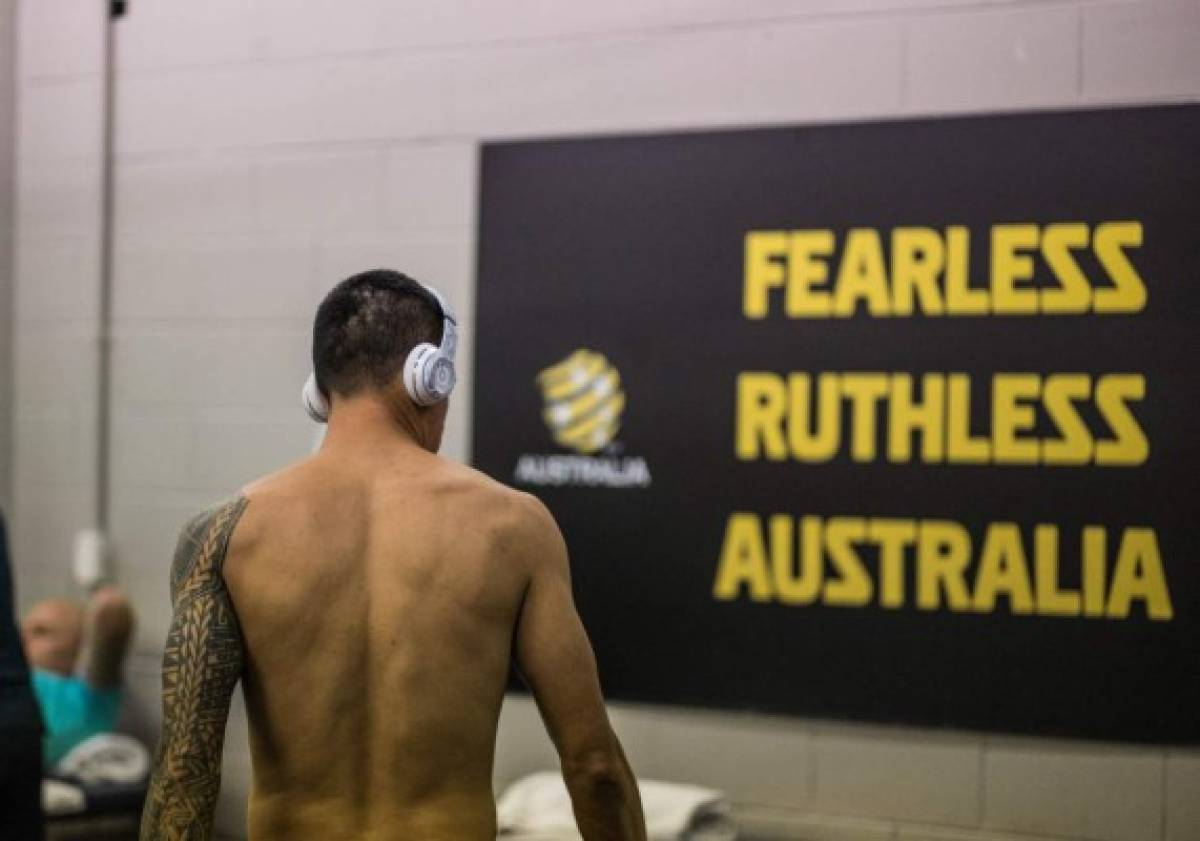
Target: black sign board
column 887, row 421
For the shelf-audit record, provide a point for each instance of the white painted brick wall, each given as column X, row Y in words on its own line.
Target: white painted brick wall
column 339, row 191
column 159, row 35
column 59, row 198
column 233, row 276
column 1131, row 53
column 58, row 263
column 62, row 122
column 430, row 185
column 888, row 773
column 1104, row 792
column 57, row 243
column 1182, row 803
column 756, row 759
column 8, row 88
column 186, row 197
column 1003, row 59
column 788, row 68
column 269, row 148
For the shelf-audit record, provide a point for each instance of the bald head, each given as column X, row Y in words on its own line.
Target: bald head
column 52, row 633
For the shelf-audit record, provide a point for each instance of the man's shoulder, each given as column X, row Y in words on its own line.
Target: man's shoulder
column 473, row 481
column 283, row 482
column 216, row 519
column 204, row 539
column 511, row 513
column 284, row 499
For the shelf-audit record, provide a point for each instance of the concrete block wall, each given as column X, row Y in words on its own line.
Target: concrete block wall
column 8, row 136
column 268, row 148
column 56, row 297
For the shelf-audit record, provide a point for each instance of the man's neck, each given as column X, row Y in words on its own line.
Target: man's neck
column 371, row 423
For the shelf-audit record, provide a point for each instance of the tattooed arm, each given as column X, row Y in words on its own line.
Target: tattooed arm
column 201, row 665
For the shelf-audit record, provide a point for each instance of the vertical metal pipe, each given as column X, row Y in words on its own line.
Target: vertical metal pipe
column 107, row 250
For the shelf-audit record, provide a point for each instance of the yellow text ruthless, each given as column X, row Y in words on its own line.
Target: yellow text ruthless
column 818, row 560
column 813, row 418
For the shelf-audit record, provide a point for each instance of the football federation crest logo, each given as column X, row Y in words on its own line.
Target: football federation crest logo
column 583, row 401
column 582, row 404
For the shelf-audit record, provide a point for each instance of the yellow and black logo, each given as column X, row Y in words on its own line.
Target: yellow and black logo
column 583, row 401
column 583, row 405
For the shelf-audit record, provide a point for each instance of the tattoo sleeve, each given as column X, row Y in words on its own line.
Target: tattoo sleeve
column 201, row 666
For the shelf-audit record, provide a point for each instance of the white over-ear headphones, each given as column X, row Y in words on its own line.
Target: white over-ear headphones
column 429, row 375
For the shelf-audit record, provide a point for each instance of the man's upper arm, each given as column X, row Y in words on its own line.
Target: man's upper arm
column 109, row 628
column 552, row 649
column 202, row 663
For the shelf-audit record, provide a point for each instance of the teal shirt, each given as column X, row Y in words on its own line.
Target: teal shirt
column 72, row 711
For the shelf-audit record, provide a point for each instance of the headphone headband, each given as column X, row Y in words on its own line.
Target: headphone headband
column 449, row 343
column 428, row 373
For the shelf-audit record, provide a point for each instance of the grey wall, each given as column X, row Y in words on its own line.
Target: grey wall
column 8, row 134
column 267, row 148
column 60, row 59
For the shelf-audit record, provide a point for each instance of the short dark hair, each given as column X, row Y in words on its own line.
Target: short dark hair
column 366, row 327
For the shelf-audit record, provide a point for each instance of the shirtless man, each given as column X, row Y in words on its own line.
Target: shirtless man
column 370, row 598
column 76, row 653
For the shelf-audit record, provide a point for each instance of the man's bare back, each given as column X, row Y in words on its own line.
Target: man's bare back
column 378, row 607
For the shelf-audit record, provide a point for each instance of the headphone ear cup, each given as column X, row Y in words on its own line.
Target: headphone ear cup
column 429, row 375
column 415, row 372
column 314, row 401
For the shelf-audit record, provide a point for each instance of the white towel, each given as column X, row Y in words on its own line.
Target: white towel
column 59, row 798
column 538, row 808
column 106, row 758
